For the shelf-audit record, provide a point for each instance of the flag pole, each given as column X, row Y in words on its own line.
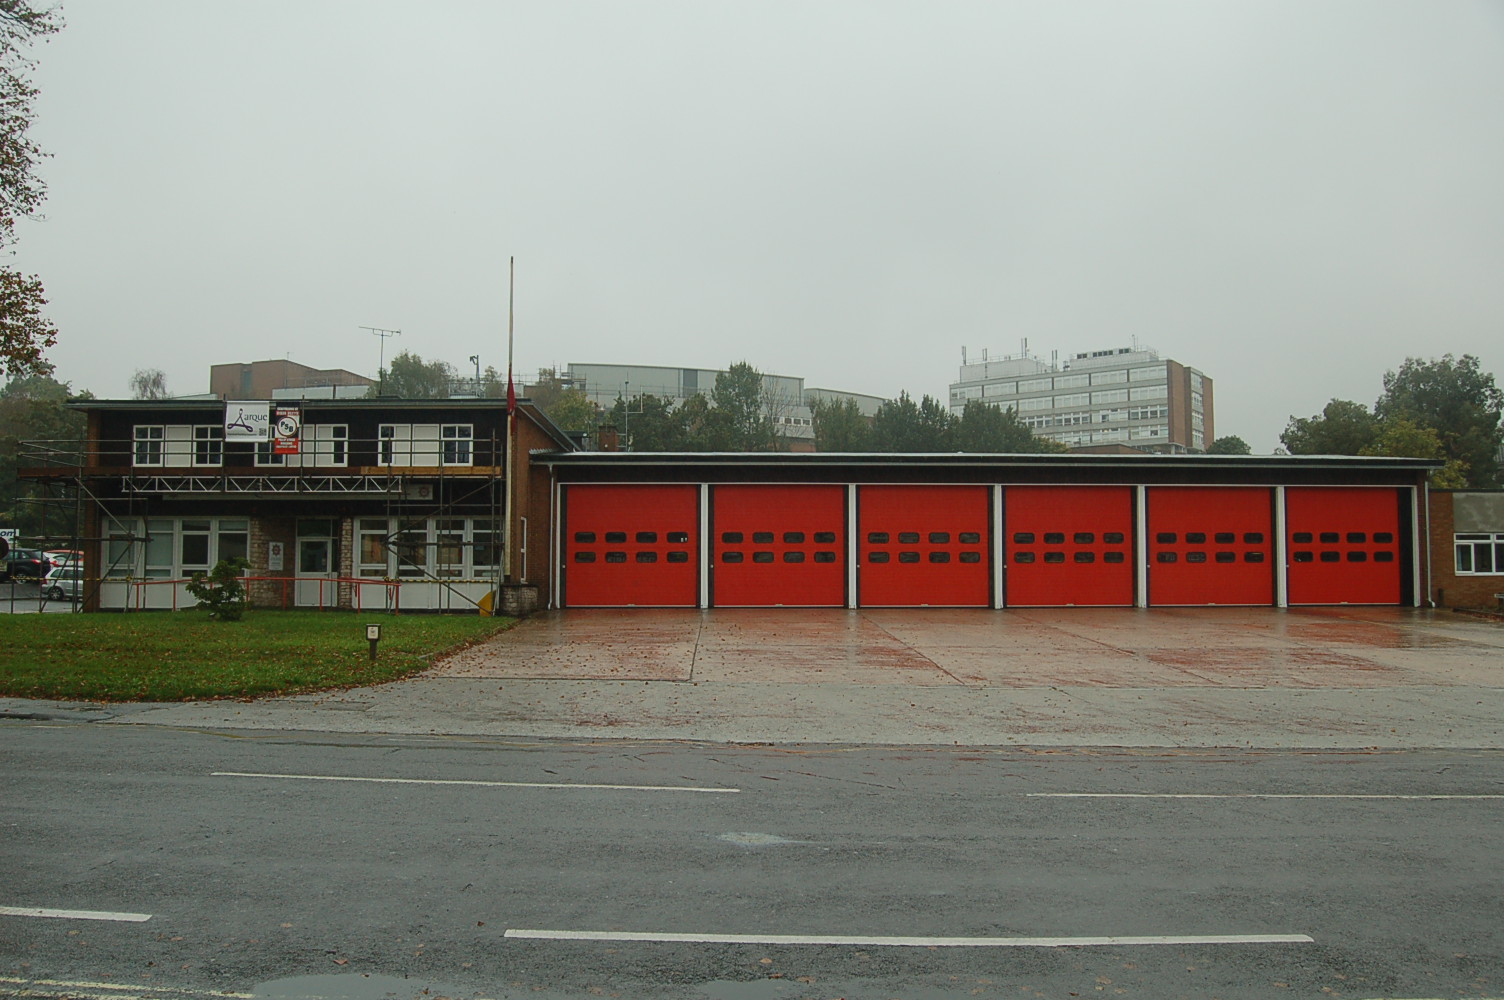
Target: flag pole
column 511, row 467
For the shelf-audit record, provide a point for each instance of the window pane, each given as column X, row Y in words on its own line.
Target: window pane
column 196, row 551
column 234, row 545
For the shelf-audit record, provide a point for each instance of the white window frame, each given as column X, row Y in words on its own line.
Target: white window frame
column 458, row 441
column 208, row 446
column 153, row 444
column 1474, row 542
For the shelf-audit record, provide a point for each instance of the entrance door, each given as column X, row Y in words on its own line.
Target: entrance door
column 315, row 587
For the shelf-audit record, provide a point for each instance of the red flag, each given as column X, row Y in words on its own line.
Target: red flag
column 511, row 394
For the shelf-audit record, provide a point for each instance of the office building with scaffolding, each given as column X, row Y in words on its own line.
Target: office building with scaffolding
column 367, row 504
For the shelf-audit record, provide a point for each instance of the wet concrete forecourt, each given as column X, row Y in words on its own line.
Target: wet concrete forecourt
column 1316, row 678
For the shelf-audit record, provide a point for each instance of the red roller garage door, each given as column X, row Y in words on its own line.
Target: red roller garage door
column 631, row 545
column 1344, row 545
column 1211, row 545
column 923, row 545
column 778, row 545
column 1068, row 545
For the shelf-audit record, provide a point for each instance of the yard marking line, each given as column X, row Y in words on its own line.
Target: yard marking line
column 1238, row 795
column 123, row 986
column 37, row 911
column 908, row 942
column 483, row 784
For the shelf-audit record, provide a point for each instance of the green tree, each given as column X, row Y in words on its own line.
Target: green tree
column 410, row 377
column 36, row 429
column 1341, row 428
column 572, row 410
column 1404, row 438
column 1459, row 401
column 744, row 424
column 901, row 425
column 984, row 427
column 25, row 333
column 1230, row 445
column 840, row 425
column 648, row 423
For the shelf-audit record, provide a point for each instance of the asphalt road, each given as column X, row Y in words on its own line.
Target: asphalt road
column 934, row 862
column 26, row 598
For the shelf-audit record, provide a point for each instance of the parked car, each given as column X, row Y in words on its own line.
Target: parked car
column 61, row 557
column 66, row 582
column 26, row 564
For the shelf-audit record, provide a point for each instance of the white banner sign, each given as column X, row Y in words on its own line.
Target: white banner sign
column 248, row 420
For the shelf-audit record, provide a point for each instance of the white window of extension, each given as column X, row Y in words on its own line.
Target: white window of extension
column 123, row 549
column 372, row 548
column 457, row 440
column 447, row 548
column 160, row 548
column 1039, row 403
column 1147, row 374
column 1149, row 432
column 1112, row 416
column 1034, row 385
column 203, row 542
column 1149, row 392
column 1479, row 554
column 1109, row 378
column 147, row 449
column 326, row 446
column 1110, row 396
column 1073, row 399
column 1000, row 389
column 208, row 445
column 1072, row 381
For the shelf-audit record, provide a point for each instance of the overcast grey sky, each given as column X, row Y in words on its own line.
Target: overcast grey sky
column 1290, row 196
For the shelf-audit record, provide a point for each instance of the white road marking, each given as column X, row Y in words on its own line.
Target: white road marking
column 1239, row 795
column 37, row 911
column 73, row 986
column 482, row 784
column 908, row 942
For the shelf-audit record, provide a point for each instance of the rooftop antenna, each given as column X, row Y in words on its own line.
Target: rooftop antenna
column 963, row 354
column 384, row 334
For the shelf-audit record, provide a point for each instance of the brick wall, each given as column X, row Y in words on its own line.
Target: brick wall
column 264, row 530
column 1448, row 589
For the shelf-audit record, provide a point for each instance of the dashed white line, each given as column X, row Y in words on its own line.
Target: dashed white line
column 74, row 988
column 480, row 784
column 1242, row 795
column 37, row 911
column 908, row 942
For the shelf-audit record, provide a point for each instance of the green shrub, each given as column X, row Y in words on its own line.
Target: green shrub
column 222, row 591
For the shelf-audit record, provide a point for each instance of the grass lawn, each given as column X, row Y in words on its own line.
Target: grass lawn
column 182, row 655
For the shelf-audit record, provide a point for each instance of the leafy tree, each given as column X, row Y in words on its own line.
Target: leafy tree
column 1402, row 437
column 36, row 429
column 840, row 425
column 410, row 377
column 149, row 383
column 648, row 423
column 743, row 424
column 1457, row 400
column 901, row 425
column 1230, row 445
column 24, row 331
column 984, row 427
column 572, row 410
column 1341, row 428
